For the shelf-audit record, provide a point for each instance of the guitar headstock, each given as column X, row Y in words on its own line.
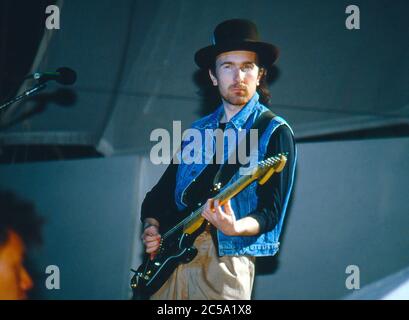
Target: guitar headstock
column 268, row 166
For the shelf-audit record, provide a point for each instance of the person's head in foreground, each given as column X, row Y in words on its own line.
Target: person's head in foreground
column 20, row 227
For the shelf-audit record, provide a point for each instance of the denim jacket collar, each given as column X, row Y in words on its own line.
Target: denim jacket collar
column 241, row 117
column 238, row 120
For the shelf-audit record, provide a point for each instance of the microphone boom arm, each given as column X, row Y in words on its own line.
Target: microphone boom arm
column 28, row 93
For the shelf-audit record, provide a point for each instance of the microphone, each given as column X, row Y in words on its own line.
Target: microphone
column 62, row 75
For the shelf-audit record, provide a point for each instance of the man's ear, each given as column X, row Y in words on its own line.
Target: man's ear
column 213, row 78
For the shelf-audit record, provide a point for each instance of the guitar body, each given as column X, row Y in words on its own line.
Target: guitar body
column 152, row 274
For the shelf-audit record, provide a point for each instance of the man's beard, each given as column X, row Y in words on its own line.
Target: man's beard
column 237, row 98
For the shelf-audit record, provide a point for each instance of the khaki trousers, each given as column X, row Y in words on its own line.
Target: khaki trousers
column 210, row 277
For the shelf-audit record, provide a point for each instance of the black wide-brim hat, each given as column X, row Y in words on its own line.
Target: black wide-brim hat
column 233, row 35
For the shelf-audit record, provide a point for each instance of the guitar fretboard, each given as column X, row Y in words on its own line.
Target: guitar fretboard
column 227, row 193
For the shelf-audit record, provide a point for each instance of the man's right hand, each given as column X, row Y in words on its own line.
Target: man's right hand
column 151, row 239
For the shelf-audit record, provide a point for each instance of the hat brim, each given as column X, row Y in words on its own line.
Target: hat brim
column 267, row 53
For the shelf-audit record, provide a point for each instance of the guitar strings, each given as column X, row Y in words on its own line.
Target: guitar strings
column 272, row 161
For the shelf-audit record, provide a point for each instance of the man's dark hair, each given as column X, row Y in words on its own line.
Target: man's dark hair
column 263, row 90
column 19, row 216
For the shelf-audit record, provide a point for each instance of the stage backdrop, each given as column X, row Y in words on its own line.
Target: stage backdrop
column 136, row 72
column 349, row 208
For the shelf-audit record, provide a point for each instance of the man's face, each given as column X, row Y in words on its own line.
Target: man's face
column 237, row 76
column 15, row 281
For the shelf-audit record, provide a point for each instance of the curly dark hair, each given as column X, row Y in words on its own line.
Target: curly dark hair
column 21, row 217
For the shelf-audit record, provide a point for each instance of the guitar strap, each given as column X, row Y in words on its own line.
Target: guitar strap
column 226, row 172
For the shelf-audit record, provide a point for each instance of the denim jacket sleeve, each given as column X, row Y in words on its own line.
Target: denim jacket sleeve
column 271, row 195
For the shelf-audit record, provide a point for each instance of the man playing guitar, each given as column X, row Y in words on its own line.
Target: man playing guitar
column 248, row 225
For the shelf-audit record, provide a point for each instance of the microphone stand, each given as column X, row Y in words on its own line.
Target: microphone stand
column 28, row 93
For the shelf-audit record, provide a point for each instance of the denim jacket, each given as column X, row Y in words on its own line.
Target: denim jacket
column 266, row 244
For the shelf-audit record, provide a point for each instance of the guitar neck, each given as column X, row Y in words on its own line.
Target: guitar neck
column 195, row 219
column 262, row 173
column 223, row 196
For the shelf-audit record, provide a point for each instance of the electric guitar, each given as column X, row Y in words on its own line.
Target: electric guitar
column 176, row 244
